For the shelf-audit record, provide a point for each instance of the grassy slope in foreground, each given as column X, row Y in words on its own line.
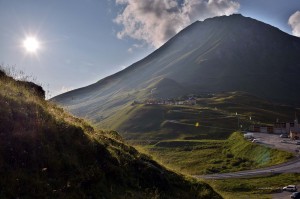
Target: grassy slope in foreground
column 46, row 153
column 215, row 156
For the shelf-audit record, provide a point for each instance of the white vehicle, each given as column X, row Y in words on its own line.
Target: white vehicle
column 285, row 135
column 290, row 188
column 248, row 135
column 256, row 141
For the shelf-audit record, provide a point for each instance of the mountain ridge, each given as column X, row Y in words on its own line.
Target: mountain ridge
column 216, row 55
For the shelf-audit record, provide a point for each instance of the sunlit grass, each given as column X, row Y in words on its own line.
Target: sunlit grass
column 214, row 156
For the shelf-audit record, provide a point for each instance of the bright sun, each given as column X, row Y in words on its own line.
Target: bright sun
column 31, row 44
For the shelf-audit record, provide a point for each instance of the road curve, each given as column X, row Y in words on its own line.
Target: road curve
column 292, row 166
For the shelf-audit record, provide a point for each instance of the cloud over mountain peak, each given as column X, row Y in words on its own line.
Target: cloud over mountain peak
column 156, row 21
column 294, row 22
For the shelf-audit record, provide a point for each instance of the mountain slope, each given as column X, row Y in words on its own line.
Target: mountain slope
column 46, row 153
column 233, row 53
column 216, row 115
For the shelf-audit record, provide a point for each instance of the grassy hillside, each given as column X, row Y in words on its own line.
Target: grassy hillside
column 47, row 153
column 161, row 122
column 214, row 156
column 216, row 115
column 261, row 155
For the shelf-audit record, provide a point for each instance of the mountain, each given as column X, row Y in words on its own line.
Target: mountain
column 47, row 153
column 221, row 54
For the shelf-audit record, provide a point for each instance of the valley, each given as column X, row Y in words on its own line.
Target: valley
column 187, row 103
column 214, row 117
column 128, row 99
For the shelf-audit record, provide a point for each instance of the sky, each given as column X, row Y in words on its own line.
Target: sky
column 83, row 41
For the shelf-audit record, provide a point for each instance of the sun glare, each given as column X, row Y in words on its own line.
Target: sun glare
column 31, row 44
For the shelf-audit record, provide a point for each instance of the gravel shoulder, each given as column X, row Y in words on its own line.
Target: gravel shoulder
column 274, row 141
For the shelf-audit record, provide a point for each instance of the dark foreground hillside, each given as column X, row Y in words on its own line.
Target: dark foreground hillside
column 46, row 153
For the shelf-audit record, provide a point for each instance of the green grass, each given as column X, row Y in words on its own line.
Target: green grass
column 256, row 187
column 261, row 155
column 152, row 122
column 47, row 153
column 191, row 158
column 216, row 116
column 214, row 156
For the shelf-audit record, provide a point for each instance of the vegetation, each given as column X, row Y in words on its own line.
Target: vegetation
column 47, row 153
column 261, row 155
column 216, row 115
column 256, row 187
column 214, row 156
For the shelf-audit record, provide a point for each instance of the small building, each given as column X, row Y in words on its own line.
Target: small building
column 292, row 128
column 262, row 129
column 294, row 135
column 287, row 127
column 255, row 128
column 281, row 128
column 190, row 102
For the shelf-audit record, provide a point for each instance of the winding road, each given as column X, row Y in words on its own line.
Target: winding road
column 292, row 166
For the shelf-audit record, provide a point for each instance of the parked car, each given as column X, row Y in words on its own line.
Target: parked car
column 295, row 195
column 290, row 188
column 284, row 135
column 256, row 141
column 298, row 143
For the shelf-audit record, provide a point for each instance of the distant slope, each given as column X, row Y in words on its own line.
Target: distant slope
column 229, row 53
column 46, row 153
column 216, row 115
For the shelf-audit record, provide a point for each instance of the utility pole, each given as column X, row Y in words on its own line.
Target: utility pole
column 238, row 120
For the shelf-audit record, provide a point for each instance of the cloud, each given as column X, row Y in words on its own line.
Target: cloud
column 156, row 21
column 134, row 47
column 65, row 89
column 294, row 22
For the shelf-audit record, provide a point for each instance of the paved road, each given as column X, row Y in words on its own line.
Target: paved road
column 282, row 195
column 292, row 166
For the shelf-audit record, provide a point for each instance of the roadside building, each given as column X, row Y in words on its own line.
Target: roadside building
column 286, row 127
column 295, row 130
column 281, row 127
column 291, row 128
column 294, row 135
column 262, row 129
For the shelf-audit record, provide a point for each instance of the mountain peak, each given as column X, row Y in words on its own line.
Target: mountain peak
column 226, row 53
